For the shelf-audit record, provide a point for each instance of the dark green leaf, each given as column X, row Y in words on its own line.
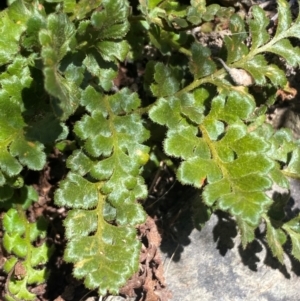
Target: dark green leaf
column 166, row 82
column 235, row 43
column 284, row 17
column 285, row 49
column 30, row 153
column 259, row 34
column 201, row 64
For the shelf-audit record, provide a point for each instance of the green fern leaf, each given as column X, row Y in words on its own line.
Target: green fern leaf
column 236, row 42
column 190, row 146
column 293, row 167
column 16, row 147
column 104, row 71
column 246, row 230
column 231, row 159
column 198, row 11
column 257, row 27
column 238, row 55
column 292, row 228
column 166, row 82
column 200, row 65
column 18, row 239
column 12, row 25
column 285, row 49
column 113, row 50
column 275, row 238
column 284, row 17
column 112, row 20
column 105, row 254
column 65, row 91
column 80, row 9
column 260, row 69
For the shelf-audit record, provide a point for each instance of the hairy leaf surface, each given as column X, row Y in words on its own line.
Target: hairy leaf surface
column 105, row 254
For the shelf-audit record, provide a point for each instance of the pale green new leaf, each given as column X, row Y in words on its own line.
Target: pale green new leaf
column 18, row 239
column 12, row 25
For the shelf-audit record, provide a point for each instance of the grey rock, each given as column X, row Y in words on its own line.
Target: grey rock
column 211, row 264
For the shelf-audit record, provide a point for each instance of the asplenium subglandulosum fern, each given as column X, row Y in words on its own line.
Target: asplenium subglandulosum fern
column 60, row 55
column 225, row 147
column 29, row 252
column 58, row 60
column 103, row 185
column 102, row 188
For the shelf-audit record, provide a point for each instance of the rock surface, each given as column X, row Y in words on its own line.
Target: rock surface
column 211, row 264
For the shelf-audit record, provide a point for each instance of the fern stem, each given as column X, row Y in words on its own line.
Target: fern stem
column 213, row 150
column 195, row 84
column 290, row 174
column 145, row 110
column 198, row 82
column 180, row 48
